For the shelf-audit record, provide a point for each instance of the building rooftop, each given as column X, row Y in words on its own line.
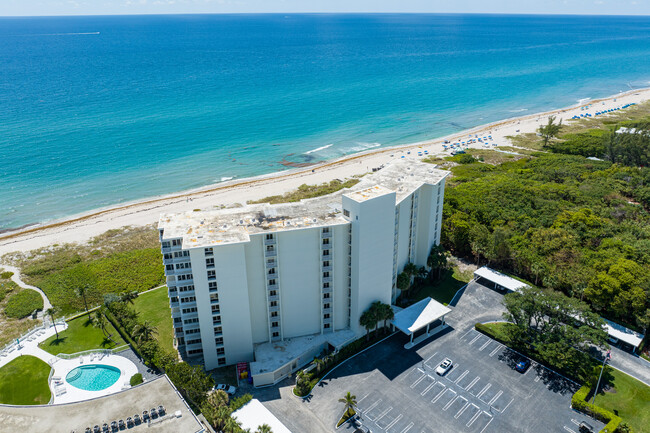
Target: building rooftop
column 271, row 356
column 77, row 416
column 229, row 226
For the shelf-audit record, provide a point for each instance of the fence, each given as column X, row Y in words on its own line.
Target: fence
column 88, row 352
column 29, row 334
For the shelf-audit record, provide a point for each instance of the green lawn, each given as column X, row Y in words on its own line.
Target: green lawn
column 629, row 399
column 24, row 381
column 444, row 290
column 82, row 335
column 153, row 307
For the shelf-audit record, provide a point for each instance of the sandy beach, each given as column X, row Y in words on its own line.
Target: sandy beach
column 80, row 228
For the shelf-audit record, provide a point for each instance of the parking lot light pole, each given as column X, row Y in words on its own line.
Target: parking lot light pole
column 607, row 357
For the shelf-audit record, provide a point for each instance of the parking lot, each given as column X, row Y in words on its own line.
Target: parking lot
column 398, row 390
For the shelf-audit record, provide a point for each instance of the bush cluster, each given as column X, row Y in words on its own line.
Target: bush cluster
column 23, row 303
column 136, row 379
column 579, row 402
column 6, row 275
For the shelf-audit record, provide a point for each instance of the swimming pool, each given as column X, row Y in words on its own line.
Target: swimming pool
column 93, row 377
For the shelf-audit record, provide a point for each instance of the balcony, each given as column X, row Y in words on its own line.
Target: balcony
column 214, row 301
column 327, row 257
column 274, row 309
column 326, row 268
column 173, row 304
column 327, row 290
column 269, row 241
column 327, row 235
column 272, row 287
column 328, row 320
column 193, row 346
column 327, row 310
column 213, row 289
column 271, row 276
column 274, row 298
column 270, row 253
column 327, row 279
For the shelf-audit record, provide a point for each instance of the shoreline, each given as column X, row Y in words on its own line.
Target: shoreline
column 83, row 226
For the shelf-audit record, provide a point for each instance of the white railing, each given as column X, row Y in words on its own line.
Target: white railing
column 89, row 352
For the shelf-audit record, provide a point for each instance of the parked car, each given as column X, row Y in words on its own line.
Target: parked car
column 229, row 389
column 444, row 367
column 585, row 428
column 523, row 365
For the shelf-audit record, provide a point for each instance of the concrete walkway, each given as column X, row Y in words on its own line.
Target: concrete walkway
column 16, row 279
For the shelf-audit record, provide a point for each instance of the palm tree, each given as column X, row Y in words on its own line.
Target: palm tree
column 218, row 398
column 52, row 312
column 220, row 416
column 375, row 310
column 81, row 291
column 99, row 320
column 320, row 363
column 231, row 425
column 437, row 260
column 350, row 402
column 128, row 297
column 144, row 332
column 367, row 320
column 264, row 428
column 386, row 313
column 410, row 270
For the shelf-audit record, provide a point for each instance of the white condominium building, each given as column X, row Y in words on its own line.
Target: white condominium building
column 274, row 285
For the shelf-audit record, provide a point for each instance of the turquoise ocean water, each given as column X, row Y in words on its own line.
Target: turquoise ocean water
column 95, row 111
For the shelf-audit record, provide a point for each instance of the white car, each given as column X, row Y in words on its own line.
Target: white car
column 229, row 389
column 444, row 367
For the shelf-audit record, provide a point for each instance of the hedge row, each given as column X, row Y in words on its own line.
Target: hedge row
column 578, row 402
column 125, row 335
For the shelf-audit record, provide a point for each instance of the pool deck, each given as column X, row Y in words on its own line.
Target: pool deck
column 62, row 391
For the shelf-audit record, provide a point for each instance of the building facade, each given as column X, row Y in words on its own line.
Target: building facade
column 275, row 284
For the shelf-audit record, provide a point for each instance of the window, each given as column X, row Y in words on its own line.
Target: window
column 195, row 341
column 189, row 310
column 179, row 254
column 212, row 285
column 326, row 252
column 326, row 274
column 326, row 263
column 176, row 242
column 192, row 320
column 269, row 236
column 212, row 275
column 218, row 341
column 186, row 288
column 185, row 277
column 269, row 248
column 346, row 213
column 169, row 267
column 274, row 314
column 272, row 271
column 195, row 351
column 177, row 320
column 276, row 334
column 326, row 295
column 188, row 299
column 166, row 244
column 208, row 251
column 272, row 282
column 275, row 324
column 174, row 299
column 327, row 305
column 274, row 303
column 216, row 319
column 326, row 230
column 326, row 241
column 326, row 326
column 221, row 351
column 215, row 309
column 326, row 316
column 214, row 297
column 273, row 292
column 326, row 285
column 167, row 256
column 192, row 331
column 183, row 265
column 221, row 361
column 217, row 330
column 209, row 263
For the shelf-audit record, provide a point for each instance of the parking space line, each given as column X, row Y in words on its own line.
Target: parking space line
column 374, row 405
column 362, row 399
column 474, row 340
column 471, row 421
column 393, row 422
column 538, row 378
column 452, row 401
column 484, row 390
column 460, row 412
column 575, row 422
column 504, row 409
column 486, row 425
column 495, row 398
column 461, row 377
column 381, row 415
column 407, row 428
column 465, row 335
column 486, row 344
column 476, row 379
column 494, row 352
column 568, row 429
column 414, row 384
column 428, row 388
column 429, row 358
column 437, row 397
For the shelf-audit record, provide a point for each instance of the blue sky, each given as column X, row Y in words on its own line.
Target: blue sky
column 101, row 7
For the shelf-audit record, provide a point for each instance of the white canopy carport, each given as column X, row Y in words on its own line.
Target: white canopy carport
column 418, row 316
column 498, row 279
column 624, row 334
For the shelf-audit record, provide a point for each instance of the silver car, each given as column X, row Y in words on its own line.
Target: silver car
column 444, row 367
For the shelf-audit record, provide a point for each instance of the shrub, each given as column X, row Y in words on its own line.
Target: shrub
column 239, row 402
column 23, row 303
column 136, row 379
column 579, row 403
column 6, row 275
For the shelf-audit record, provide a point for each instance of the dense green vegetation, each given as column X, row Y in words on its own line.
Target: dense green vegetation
column 628, row 398
column 309, row 191
column 562, row 221
column 23, row 303
column 154, row 307
column 23, row 381
column 83, row 333
column 118, row 261
column 443, row 289
column 10, row 328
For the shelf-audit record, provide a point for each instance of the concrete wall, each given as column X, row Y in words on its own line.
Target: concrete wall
column 255, row 275
column 340, row 276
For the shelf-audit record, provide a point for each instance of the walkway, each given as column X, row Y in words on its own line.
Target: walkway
column 62, row 390
column 16, row 279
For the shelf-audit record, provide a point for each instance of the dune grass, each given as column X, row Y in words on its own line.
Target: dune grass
column 308, row 191
column 153, row 307
column 82, row 335
column 11, row 328
column 23, row 381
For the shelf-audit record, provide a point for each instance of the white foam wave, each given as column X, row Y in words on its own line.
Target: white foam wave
column 226, row 178
column 583, row 100
column 520, row 110
column 318, row 149
column 361, row 146
column 65, row 34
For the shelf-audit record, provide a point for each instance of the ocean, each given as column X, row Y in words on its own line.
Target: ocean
column 96, row 111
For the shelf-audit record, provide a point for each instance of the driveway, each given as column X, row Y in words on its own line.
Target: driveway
column 398, row 391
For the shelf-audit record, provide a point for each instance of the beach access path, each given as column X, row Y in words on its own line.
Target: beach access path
column 83, row 227
column 16, row 279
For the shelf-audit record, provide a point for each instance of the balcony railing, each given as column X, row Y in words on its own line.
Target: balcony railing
column 327, row 290
column 274, row 298
column 326, row 235
column 269, row 241
column 327, row 279
column 270, row 253
column 273, row 287
column 327, row 268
